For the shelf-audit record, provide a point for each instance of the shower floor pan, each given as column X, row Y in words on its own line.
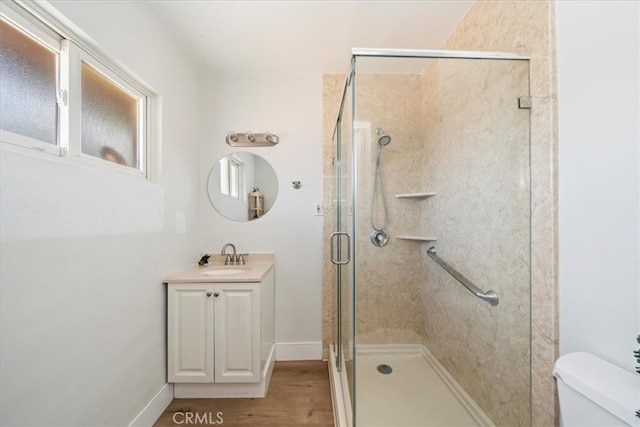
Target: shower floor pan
column 417, row 392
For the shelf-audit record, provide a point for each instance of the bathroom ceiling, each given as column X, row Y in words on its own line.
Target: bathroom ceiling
column 305, row 36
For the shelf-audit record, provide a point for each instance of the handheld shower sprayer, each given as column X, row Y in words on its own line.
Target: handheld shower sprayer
column 379, row 235
column 383, row 138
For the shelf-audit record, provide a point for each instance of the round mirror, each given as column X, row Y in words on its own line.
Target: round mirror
column 242, row 186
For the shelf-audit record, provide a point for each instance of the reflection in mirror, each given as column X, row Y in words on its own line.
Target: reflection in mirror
column 242, row 186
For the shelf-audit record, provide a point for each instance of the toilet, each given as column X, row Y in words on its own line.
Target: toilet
column 594, row 392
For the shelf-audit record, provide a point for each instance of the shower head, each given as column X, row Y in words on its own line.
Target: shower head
column 383, row 138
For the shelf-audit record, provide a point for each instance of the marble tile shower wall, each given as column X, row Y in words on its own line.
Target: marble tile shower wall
column 527, row 27
column 388, row 278
column 476, row 157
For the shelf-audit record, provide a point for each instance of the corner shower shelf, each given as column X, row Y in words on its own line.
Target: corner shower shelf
column 418, row 238
column 422, row 195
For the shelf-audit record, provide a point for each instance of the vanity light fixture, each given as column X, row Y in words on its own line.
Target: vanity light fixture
column 250, row 139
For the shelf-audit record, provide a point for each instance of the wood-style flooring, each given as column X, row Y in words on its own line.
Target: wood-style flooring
column 298, row 395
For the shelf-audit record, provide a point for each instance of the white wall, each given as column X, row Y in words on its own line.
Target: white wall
column 82, row 306
column 290, row 107
column 598, row 48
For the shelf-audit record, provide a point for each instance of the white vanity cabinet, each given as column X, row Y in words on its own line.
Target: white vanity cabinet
column 220, row 337
column 213, row 332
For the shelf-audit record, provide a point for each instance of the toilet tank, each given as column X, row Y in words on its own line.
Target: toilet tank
column 594, row 392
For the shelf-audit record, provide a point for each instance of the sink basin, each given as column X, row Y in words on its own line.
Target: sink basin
column 222, row 271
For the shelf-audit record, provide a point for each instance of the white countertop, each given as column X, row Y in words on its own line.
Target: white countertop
column 254, row 269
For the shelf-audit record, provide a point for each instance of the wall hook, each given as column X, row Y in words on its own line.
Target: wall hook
column 296, row 184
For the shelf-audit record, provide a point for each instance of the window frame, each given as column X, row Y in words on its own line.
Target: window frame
column 78, row 56
column 52, row 41
column 71, row 51
column 232, row 171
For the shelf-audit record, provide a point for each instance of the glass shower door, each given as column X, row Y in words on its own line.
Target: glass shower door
column 342, row 254
column 456, row 169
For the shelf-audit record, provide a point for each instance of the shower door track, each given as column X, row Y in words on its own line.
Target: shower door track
column 431, row 53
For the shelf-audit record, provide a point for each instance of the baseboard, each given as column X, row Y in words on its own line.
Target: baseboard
column 156, row 406
column 299, row 351
column 229, row 390
column 267, row 369
column 221, row 390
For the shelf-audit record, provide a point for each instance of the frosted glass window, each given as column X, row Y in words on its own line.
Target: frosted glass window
column 65, row 99
column 109, row 119
column 28, row 105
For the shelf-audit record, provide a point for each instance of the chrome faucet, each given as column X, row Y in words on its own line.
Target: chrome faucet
column 232, row 258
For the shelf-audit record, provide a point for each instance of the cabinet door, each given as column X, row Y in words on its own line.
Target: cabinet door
column 237, row 325
column 190, row 333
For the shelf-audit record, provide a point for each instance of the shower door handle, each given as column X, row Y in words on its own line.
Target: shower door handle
column 337, row 234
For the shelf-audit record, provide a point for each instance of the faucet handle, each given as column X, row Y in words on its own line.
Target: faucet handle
column 228, row 261
column 241, row 258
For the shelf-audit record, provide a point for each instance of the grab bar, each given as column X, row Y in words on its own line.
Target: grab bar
column 490, row 296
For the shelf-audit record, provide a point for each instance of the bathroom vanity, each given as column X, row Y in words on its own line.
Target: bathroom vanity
column 220, row 329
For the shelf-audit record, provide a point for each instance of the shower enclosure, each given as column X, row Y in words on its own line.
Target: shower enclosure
column 419, row 338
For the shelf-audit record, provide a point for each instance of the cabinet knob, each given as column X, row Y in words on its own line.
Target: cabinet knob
column 209, row 294
column 217, row 294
